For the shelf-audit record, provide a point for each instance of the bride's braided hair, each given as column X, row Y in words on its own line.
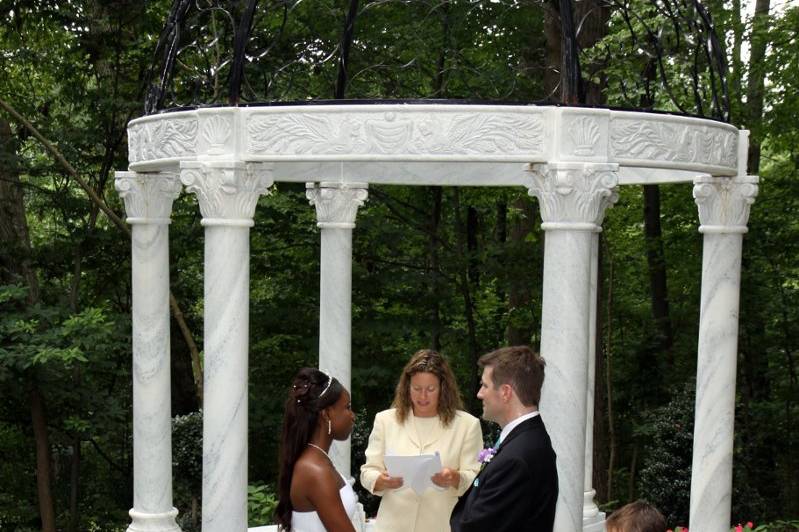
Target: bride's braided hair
column 311, row 391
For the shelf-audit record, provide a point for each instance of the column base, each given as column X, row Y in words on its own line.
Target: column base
column 593, row 519
column 147, row 522
column 596, row 526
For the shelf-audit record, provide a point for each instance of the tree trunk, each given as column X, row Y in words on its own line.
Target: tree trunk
column 633, row 473
column 755, row 91
column 74, row 484
column 43, row 473
column 552, row 81
column 736, row 71
column 601, row 453
column 518, row 255
column 15, row 267
column 592, row 20
column 435, row 268
column 612, row 444
column 466, row 293
column 656, row 261
column 441, row 65
column 436, row 194
column 500, row 238
column 15, row 249
column 77, row 377
column 471, row 246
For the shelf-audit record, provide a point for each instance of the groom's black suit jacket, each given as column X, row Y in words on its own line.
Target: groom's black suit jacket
column 517, row 490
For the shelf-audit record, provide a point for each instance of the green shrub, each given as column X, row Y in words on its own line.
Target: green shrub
column 665, row 479
column 261, row 503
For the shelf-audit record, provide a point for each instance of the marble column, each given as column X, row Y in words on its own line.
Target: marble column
column 723, row 213
column 148, row 202
column 593, row 519
column 336, row 207
column 227, row 192
column 572, row 199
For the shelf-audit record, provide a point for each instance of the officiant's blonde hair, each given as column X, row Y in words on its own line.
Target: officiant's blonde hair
column 449, row 396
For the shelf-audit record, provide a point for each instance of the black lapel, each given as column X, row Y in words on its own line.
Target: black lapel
column 524, row 426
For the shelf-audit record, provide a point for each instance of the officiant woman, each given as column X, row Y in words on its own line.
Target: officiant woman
column 426, row 417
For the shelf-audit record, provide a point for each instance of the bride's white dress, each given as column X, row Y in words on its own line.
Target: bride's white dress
column 310, row 522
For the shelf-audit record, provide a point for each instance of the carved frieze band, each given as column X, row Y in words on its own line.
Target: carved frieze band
column 336, row 203
column 164, row 138
column 434, row 132
column 658, row 139
column 393, row 133
column 574, row 196
column 226, row 192
column 724, row 202
column 216, row 131
column 148, row 197
column 585, row 135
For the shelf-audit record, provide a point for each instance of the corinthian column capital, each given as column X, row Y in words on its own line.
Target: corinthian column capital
column 574, row 196
column 336, row 203
column 724, row 202
column 148, row 197
column 226, row 191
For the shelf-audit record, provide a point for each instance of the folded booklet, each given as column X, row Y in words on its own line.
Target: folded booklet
column 415, row 470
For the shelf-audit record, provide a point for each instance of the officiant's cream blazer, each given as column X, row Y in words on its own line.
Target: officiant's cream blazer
column 402, row 510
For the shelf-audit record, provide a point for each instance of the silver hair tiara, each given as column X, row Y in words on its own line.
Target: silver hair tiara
column 329, row 382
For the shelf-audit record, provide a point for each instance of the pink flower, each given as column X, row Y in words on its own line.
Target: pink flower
column 739, row 528
column 750, row 524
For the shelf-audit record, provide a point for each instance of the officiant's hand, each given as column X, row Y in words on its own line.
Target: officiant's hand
column 385, row 481
column 446, row 478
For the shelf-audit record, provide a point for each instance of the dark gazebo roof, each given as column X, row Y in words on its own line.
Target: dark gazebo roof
column 633, row 54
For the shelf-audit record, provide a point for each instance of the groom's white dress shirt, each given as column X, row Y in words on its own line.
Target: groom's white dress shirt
column 513, row 424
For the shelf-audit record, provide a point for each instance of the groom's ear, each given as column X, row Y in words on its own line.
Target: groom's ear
column 506, row 391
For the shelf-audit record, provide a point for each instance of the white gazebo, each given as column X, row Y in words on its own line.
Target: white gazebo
column 572, row 159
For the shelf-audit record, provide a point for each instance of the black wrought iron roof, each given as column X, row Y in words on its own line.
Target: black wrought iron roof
column 637, row 54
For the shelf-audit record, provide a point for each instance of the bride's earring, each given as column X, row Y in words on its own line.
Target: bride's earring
column 329, row 427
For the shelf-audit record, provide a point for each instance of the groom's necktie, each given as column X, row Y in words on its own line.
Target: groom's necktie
column 497, row 443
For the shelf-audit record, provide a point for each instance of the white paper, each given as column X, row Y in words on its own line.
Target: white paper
column 415, row 470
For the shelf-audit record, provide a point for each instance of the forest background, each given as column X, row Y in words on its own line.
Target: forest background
column 454, row 269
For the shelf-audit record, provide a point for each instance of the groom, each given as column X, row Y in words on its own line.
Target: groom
column 517, row 487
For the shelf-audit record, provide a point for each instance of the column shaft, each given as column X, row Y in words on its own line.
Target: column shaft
column 148, row 202
column 335, row 320
column 336, row 208
column 227, row 192
column 573, row 198
column 592, row 517
column 723, row 211
column 152, row 429
column 564, row 345
column 227, row 299
column 711, row 477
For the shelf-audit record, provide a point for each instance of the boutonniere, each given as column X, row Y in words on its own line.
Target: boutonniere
column 485, row 456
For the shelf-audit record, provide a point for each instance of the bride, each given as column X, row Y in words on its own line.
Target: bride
column 312, row 495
